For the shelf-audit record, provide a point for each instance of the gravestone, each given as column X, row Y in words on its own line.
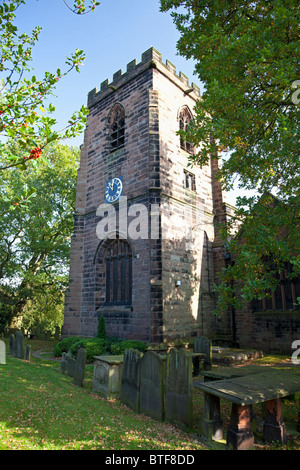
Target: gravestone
column 2, row 353
column 130, row 384
column 28, row 352
column 64, row 363
column 203, row 345
column 152, row 387
column 79, row 368
column 12, row 345
column 70, row 366
column 179, row 390
column 19, row 345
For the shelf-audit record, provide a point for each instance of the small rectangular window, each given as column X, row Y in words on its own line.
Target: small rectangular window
column 189, row 181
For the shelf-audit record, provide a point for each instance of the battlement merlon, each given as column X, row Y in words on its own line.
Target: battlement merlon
column 150, row 59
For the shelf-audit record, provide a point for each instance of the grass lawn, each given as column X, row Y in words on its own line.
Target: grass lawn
column 41, row 409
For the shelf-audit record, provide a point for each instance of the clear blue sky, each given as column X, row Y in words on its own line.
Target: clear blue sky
column 117, row 32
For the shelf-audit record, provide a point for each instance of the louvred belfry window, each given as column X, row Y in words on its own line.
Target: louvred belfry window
column 117, row 128
column 118, row 261
column 185, row 118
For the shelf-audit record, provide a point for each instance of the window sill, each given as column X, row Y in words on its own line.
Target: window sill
column 116, row 152
column 106, row 308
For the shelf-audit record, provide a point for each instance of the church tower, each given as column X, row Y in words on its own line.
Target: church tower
column 144, row 253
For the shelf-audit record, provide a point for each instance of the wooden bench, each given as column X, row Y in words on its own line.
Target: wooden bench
column 263, row 387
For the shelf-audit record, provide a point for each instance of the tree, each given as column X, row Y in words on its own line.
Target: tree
column 35, row 206
column 246, row 55
column 35, row 239
column 45, row 311
column 24, row 115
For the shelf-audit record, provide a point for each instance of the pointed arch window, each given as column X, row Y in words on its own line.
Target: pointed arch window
column 185, row 117
column 117, row 127
column 118, row 263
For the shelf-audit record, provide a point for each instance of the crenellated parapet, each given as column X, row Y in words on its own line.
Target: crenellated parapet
column 149, row 59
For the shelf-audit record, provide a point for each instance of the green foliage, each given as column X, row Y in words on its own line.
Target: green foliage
column 35, row 234
column 80, row 8
column 247, row 57
column 45, row 310
column 101, row 330
column 24, row 116
column 6, row 316
column 93, row 346
column 119, row 347
column 64, row 345
column 97, row 346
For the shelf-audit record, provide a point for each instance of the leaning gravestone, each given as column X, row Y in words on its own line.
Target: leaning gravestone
column 152, row 369
column 2, row 353
column 79, row 368
column 19, row 345
column 203, row 345
column 179, row 389
column 130, row 385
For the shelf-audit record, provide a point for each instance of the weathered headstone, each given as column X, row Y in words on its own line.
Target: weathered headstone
column 2, row 353
column 64, row 363
column 71, row 366
column 152, row 387
column 19, row 345
column 79, row 369
column 28, row 352
column 203, row 345
column 179, row 389
column 130, row 385
column 12, row 345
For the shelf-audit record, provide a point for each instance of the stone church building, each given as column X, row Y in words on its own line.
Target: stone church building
column 145, row 250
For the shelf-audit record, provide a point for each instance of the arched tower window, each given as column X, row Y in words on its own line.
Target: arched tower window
column 117, row 127
column 185, row 117
column 118, row 263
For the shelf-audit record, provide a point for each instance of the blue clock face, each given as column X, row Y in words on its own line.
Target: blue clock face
column 113, row 190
